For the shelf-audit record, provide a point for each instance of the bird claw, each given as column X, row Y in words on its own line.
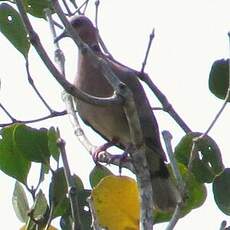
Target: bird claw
column 121, row 158
column 101, row 149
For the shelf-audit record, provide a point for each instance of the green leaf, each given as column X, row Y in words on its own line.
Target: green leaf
column 58, row 196
column 78, row 183
column 98, row 173
column 85, row 215
column 196, row 191
column 40, row 208
column 58, row 193
column 39, row 211
column 11, row 161
column 219, row 78
column 32, row 143
column 58, row 186
column 12, row 27
column 20, row 203
column 36, row 8
column 207, row 162
column 52, row 143
column 221, row 191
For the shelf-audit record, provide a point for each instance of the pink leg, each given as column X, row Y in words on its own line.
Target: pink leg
column 103, row 148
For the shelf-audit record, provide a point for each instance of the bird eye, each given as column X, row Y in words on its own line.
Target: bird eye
column 77, row 23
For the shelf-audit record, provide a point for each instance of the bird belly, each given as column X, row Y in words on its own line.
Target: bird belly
column 110, row 121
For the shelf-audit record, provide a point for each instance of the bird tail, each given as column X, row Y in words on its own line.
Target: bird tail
column 165, row 193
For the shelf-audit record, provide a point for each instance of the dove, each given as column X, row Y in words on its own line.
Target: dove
column 110, row 121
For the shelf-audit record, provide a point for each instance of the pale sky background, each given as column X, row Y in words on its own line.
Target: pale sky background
column 190, row 35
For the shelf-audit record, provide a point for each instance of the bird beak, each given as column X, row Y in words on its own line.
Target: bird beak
column 62, row 35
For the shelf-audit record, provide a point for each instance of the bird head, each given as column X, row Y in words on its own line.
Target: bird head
column 85, row 29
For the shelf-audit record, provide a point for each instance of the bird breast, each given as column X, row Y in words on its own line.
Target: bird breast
column 110, row 121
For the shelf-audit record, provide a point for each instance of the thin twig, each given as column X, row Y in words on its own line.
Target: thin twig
column 217, row 115
column 167, row 139
column 85, row 5
column 50, row 216
column 71, row 188
column 75, row 123
column 226, row 100
column 157, row 108
column 175, row 218
column 55, row 114
column 31, row 82
column 74, row 3
column 57, row 24
column 161, row 97
column 181, row 185
column 95, row 223
column 97, row 3
column 101, row 42
column 59, row 56
column 164, row 101
column 8, row 114
column 67, row 7
column 78, row 9
column 60, row 59
column 151, row 37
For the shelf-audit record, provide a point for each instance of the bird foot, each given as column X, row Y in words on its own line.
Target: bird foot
column 122, row 158
column 101, row 149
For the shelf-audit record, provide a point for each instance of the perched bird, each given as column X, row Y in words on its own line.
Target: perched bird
column 110, row 121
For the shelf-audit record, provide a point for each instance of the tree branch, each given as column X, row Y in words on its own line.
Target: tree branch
column 164, row 101
column 180, row 183
column 71, row 188
column 7, row 113
column 31, row 82
column 151, row 37
column 55, row 114
column 166, row 106
column 167, row 139
column 67, row 7
column 97, row 3
column 34, row 38
column 226, row 100
column 94, row 216
column 175, row 218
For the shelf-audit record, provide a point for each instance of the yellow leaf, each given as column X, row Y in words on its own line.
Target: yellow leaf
column 116, row 203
